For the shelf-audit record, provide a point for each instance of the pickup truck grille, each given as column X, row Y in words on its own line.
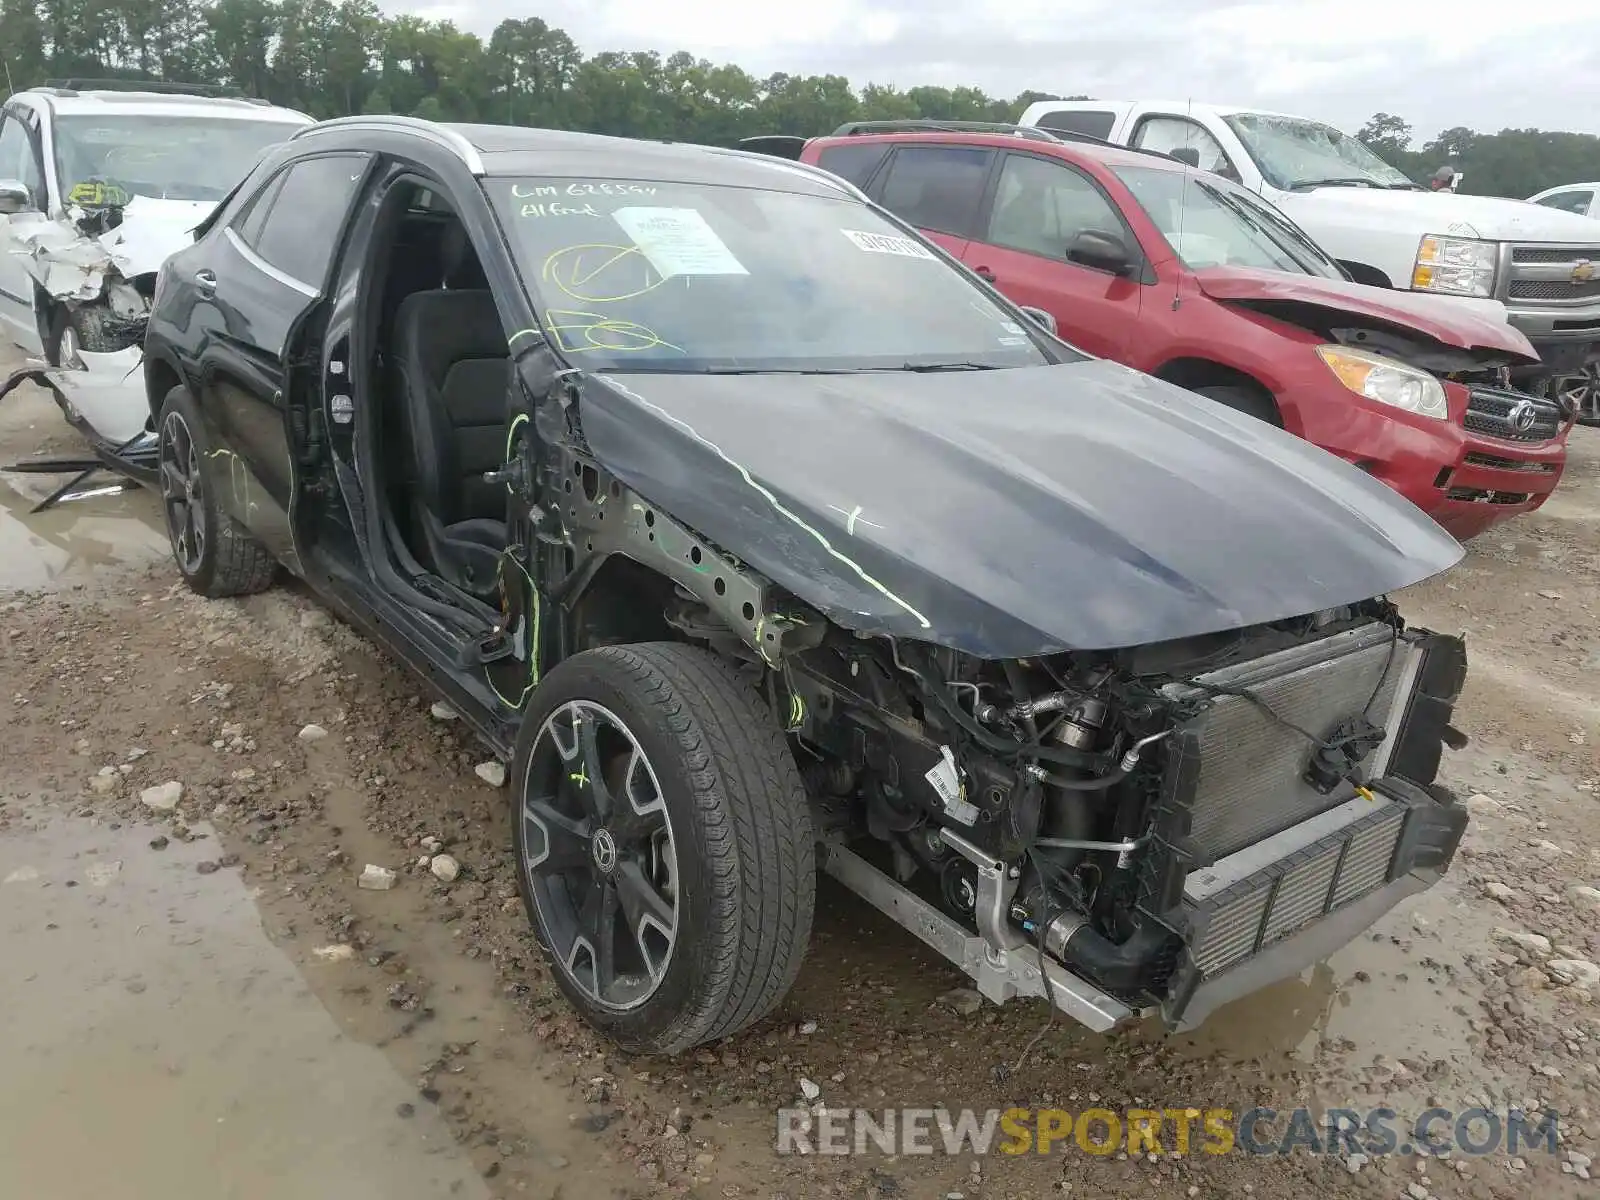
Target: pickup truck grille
column 1490, row 412
column 1544, row 274
column 1553, row 289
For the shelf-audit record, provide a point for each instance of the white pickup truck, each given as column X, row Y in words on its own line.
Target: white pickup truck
column 1541, row 263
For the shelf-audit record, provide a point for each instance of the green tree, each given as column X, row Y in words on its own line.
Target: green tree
column 332, row 57
column 1386, row 135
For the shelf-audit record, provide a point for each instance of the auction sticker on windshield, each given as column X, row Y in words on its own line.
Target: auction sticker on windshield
column 887, row 243
column 678, row 241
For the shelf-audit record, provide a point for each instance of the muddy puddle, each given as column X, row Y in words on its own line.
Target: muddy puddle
column 102, row 527
column 158, row 1044
column 1387, row 1003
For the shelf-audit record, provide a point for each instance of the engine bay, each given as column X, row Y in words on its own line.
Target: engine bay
column 1100, row 785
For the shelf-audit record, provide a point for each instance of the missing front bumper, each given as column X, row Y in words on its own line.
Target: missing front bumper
column 999, row 974
column 1269, row 911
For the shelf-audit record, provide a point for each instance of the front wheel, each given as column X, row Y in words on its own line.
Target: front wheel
column 1581, row 392
column 664, row 844
column 73, row 331
column 1246, row 400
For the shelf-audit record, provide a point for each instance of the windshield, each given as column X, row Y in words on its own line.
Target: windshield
column 1209, row 223
column 1293, row 153
column 170, row 158
column 649, row 276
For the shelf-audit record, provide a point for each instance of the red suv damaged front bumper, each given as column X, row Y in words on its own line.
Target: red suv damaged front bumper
column 1500, row 453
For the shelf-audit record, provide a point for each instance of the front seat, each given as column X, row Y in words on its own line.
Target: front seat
column 454, row 381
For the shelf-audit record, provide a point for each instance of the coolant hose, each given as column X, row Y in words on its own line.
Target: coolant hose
column 1118, row 967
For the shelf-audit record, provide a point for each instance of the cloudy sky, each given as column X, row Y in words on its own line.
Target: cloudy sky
column 1437, row 63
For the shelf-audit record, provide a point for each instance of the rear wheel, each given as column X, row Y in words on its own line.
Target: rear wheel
column 664, row 844
column 1243, row 399
column 215, row 554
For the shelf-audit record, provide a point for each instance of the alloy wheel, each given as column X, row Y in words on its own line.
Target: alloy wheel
column 601, row 859
column 1580, row 393
column 181, row 493
column 67, row 349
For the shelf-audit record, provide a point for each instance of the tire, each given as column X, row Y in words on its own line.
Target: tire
column 80, row 331
column 720, row 777
column 1582, row 391
column 1243, row 399
column 224, row 559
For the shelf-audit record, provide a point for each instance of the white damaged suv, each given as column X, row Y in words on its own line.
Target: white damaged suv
column 99, row 183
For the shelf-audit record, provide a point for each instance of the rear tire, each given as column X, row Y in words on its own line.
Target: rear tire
column 1243, row 399
column 693, row 770
column 215, row 554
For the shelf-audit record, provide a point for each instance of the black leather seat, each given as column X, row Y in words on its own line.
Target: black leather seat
column 454, row 379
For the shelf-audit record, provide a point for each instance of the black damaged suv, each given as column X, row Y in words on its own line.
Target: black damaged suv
column 757, row 534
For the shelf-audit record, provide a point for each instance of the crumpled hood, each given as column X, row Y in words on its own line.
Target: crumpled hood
column 1011, row 512
column 152, row 230
column 71, row 265
column 1491, row 217
column 1462, row 322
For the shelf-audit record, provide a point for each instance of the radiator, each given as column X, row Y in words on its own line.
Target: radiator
column 1250, row 781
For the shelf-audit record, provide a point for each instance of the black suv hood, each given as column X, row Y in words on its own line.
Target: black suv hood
column 1011, row 512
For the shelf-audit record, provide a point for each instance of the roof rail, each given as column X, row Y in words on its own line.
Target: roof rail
column 851, row 128
column 777, row 145
column 1032, row 132
column 433, row 130
column 160, row 87
column 783, row 163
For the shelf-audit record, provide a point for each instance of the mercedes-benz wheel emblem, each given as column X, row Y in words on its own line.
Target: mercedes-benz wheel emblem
column 1522, row 416
column 604, row 849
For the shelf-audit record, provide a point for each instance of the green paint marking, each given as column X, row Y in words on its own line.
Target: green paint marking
column 534, row 610
column 581, row 778
column 778, row 506
column 517, row 422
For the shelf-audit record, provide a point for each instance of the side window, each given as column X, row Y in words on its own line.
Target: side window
column 253, row 216
column 1167, row 134
column 937, row 187
column 855, row 163
column 1096, row 123
column 305, row 214
column 18, row 160
column 1040, row 206
column 1573, row 201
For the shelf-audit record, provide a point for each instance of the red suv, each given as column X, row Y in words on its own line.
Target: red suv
column 1143, row 259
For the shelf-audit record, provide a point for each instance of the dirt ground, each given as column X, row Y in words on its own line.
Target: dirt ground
column 114, row 679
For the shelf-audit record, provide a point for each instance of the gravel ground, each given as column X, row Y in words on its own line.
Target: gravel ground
column 307, row 756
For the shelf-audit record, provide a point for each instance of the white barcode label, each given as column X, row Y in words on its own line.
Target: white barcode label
column 888, row 243
column 945, row 777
